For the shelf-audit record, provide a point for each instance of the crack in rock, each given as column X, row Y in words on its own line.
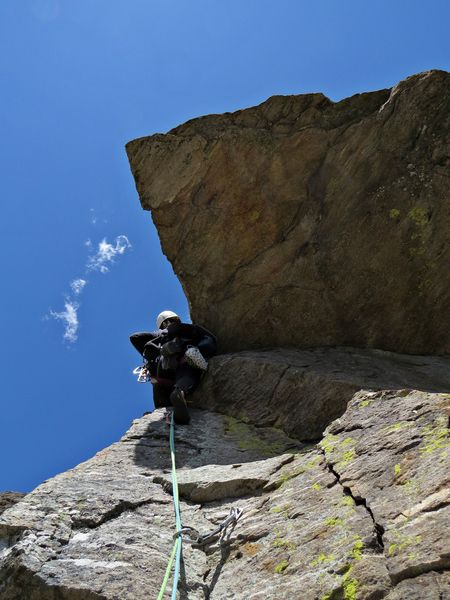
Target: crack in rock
column 114, row 513
column 359, row 501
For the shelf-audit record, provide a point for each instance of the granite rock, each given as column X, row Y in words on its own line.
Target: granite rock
column 302, row 391
column 361, row 516
column 391, row 451
column 8, row 499
column 295, row 224
column 304, row 222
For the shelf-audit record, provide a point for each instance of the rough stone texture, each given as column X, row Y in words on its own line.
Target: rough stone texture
column 302, row 222
column 294, row 223
column 8, row 499
column 302, row 391
column 391, row 450
column 362, row 516
column 432, row 586
column 103, row 529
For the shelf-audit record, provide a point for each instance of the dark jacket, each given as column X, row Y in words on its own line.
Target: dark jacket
column 149, row 344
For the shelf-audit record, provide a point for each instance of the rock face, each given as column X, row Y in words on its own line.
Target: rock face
column 302, row 222
column 296, row 223
column 302, row 391
column 8, row 499
column 362, row 515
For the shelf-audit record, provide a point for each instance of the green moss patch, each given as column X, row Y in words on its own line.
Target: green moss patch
column 419, row 215
column 334, row 522
column 322, row 559
column 436, row 437
column 280, row 542
column 402, row 543
column 341, row 452
column 356, row 552
column 281, row 566
column 247, row 438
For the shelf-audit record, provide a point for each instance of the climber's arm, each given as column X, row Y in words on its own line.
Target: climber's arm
column 142, row 338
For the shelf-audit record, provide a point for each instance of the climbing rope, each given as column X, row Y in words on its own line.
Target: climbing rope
column 176, row 550
column 192, row 535
column 169, row 568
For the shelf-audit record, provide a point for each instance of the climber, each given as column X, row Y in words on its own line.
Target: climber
column 175, row 356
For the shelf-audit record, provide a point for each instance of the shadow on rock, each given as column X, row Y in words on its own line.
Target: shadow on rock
column 302, row 391
column 210, row 439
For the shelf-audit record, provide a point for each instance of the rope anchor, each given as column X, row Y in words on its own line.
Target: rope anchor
column 194, row 537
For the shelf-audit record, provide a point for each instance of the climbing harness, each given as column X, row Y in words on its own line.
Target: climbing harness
column 192, row 356
column 188, row 534
column 143, row 374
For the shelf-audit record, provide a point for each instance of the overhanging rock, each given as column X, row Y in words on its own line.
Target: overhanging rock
column 303, row 222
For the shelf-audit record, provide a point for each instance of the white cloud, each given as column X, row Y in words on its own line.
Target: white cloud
column 77, row 286
column 100, row 261
column 107, row 253
column 70, row 317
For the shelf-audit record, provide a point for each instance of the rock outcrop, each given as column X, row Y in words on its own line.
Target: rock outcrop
column 8, row 499
column 303, row 222
column 362, row 515
column 300, row 222
column 302, row 391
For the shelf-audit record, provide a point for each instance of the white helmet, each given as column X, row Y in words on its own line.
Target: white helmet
column 164, row 315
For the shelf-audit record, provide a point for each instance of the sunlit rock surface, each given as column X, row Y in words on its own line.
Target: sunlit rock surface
column 303, row 222
column 306, row 233
column 8, row 499
column 363, row 514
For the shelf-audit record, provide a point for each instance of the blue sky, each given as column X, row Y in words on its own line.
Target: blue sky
column 80, row 78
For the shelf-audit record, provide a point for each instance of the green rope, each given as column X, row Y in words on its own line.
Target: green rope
column 176, row 502
column 176, row 550
column 168, row 569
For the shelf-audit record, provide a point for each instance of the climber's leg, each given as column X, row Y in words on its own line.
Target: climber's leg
column 186, row 380
column 180, row 409
column 161, row 395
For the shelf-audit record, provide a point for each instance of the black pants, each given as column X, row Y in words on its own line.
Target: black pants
column 186, row 379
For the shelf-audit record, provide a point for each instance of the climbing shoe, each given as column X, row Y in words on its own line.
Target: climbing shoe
column 180, row 409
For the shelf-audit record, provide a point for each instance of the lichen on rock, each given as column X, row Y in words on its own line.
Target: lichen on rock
column 304, row 222
column 335, row 447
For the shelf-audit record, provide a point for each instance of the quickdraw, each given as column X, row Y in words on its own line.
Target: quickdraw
column 192, row 536
column 143, row 376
